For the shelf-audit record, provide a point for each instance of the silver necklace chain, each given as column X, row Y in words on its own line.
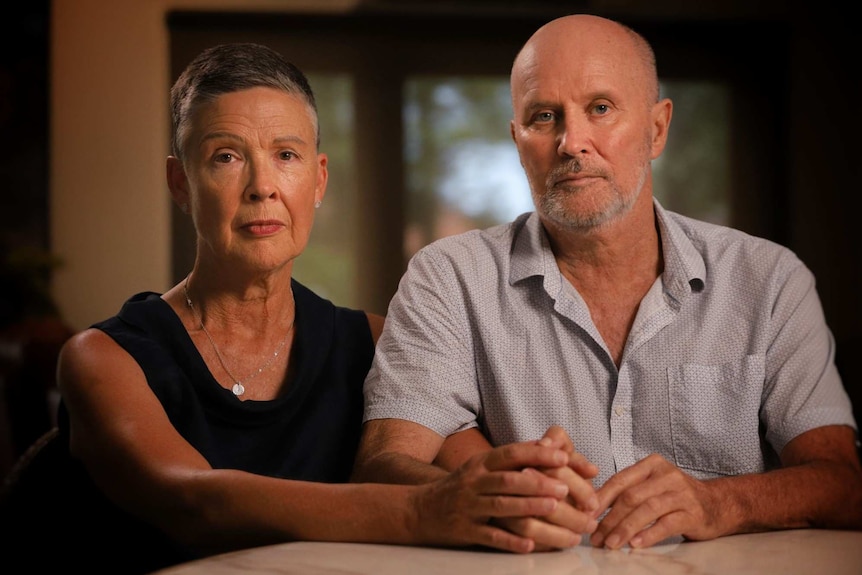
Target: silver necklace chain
column 238, row 387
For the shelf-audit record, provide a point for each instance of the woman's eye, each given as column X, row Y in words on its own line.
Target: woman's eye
column 224, row 158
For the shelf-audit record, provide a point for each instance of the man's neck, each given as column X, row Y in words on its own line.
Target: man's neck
column 623, row 251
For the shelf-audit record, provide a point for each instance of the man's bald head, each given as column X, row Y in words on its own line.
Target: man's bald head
column 583, row 34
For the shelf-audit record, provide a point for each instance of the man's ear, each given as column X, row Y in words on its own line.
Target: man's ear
column 661, row 114
column 178, row 183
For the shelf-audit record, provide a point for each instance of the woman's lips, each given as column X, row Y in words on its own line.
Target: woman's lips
column 263, row 227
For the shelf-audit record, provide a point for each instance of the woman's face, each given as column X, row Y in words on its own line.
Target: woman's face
column 251, row 177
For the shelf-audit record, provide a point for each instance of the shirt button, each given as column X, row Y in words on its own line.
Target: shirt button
column 619, row 410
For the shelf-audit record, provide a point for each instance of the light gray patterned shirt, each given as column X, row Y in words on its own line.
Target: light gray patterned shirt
column 729, row 357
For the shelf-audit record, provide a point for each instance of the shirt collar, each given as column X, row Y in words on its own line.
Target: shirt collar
column 531, row 255
column 684, row 268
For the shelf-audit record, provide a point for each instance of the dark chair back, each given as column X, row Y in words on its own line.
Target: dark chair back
column 54, row 516
column 33, row 493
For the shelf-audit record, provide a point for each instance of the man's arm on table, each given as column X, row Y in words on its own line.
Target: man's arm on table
column 819, row 485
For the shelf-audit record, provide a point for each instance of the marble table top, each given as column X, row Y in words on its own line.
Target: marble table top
column 792, row 552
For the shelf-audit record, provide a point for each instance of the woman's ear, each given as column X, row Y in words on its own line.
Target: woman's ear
column 178, row 183
column 322, row 178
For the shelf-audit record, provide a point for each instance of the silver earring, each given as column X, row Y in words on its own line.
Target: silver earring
column 317, row 204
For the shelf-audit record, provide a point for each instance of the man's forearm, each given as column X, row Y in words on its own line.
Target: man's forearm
column 396, row 468
column 818, row 494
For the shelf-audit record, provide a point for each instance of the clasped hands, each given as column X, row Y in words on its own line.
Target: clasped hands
column 638, row 506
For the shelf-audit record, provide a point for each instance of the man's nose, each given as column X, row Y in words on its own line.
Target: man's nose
column 573, row 138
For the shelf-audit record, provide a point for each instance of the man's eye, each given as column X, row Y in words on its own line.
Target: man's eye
column 601, row 109
column 224, row 158
column 545, row 117
column 287, row 155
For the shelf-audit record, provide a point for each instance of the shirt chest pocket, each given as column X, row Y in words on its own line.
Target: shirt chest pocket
column 714, row 413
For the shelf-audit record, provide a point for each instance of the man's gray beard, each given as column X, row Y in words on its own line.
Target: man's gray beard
column 553, row 207
column 552, row 204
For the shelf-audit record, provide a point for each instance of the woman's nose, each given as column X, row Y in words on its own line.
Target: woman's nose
column 262, row 182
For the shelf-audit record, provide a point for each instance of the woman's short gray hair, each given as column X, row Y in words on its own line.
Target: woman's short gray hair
column 230, row 68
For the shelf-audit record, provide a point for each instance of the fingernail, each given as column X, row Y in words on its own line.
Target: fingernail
column 613, row 541
column 561, row 490
column 592, row 525
column 545, row 441
column 593, row 503
column 636, row 541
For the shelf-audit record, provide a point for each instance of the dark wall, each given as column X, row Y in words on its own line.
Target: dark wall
column 824, row 124
column 28, row 341
column 24, row 126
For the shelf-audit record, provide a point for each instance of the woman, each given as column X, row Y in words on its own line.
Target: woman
column 226, row 412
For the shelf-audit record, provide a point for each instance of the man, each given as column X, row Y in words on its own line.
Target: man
column 690, row 363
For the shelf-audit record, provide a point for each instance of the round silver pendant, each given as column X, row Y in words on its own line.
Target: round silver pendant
column 238, row 389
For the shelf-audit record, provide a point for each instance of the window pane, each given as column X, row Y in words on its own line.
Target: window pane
column 328, row 264
column 692, row 175
column 463, row 170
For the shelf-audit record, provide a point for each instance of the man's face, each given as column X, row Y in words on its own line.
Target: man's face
column 584, row 127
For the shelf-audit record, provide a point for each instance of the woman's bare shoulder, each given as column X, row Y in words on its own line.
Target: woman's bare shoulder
column 375, row 322
column 92, row 355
